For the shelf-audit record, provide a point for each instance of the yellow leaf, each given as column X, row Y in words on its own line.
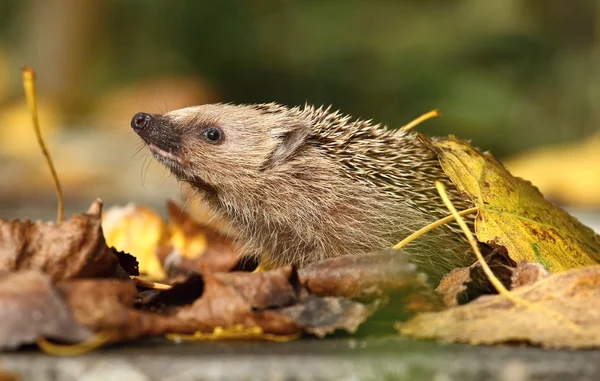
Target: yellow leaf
column 138, row 231
column 513, row 213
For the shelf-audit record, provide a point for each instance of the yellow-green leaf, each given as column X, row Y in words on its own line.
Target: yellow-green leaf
column 513, row 213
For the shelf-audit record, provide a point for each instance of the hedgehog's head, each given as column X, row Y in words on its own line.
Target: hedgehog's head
column 212, row 146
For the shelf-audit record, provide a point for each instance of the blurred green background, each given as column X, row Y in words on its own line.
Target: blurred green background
column 510, row 75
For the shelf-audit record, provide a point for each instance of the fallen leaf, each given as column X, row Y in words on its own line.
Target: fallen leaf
column 31, row 308
column 74, row 248
column 363, row 277
column 139, row 231
column 260, row 304
column 222, row 305
column 272, row 301
column 9, row 376
column 562, row 315
column 513, row 213
column 107, row 306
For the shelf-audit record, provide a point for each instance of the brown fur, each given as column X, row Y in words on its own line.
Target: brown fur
column 306, row 184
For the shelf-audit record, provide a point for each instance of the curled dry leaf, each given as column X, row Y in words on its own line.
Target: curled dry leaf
column 31, row 308
column 464, row 284
column 560, row 316
column 74, row 248
column 513, row 213
column 107, row 306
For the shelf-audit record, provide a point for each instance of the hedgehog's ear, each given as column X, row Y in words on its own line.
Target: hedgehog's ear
column 290, row 140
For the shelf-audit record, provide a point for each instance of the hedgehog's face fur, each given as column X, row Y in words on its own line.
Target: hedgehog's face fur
column 221, row 146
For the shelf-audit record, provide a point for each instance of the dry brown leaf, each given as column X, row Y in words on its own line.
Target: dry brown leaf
column 263, row 300
column 465, row 284
column 513, row 213
column 74, row 248
column 107, row 306
column 367, row 276
column 494, row 319
column 222, row 305
column 31, row 308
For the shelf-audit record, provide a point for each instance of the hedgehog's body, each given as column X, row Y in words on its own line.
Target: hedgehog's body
column 305, row 184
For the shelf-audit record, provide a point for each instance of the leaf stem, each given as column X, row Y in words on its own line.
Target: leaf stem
column 30, row 93
column 151, row 285
column 432, row 226
column 430, row 115
column 72, row 349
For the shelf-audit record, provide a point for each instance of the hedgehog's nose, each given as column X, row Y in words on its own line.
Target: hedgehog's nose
column 140, row 121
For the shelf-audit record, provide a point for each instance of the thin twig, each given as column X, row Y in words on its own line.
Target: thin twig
column 30, row 93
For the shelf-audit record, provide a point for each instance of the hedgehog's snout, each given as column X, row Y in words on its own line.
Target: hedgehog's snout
column 140, row 121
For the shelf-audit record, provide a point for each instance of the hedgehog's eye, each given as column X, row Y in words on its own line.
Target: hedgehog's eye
column 212, row 134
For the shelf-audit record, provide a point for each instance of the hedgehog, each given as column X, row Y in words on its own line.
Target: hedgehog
column 304, row 184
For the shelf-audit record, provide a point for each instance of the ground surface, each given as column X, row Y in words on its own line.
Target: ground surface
column 391, row 358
